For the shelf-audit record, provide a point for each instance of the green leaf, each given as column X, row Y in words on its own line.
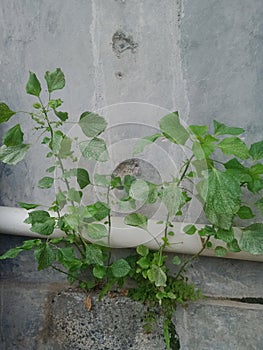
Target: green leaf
column 14, row 136
column 45, row 256
column 259, row 204
column 198, row 130
column 65, row 147
column 46, row 182
column 74, row 195
column 13, row 154
column 204, row 147
column 41, row 222
column 82, row 178
column 37, row 216
column 157, row 275
column 221, row 193
column 252, row 239
column 55, row 80
column 94, row 255
column 137, row 220
column 176, row 260
column 99, row 272
column 171, row 196
column 145, row 141
column 225, row 235
column 237, row 170
column 233, row 246
column 172, row 128
column 235, row 146
column 63, row 116
column 139, row 190
column 5, row 113
column 97, row 211
column 220, row 251
column 33, row 86
column 120, row 268
column 102, row 180
column 256, row 169
column 27, row 206
column 11, row 253
column 55, row 103
column 222, row 129
column 256, row 150
column 92, row 124
column 142, row 250
column 94, row 149
column 189, row 229
column 51, row 169
column 245, row 212
column 97, row 231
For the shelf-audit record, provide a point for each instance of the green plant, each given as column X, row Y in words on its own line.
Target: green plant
column 83, row 253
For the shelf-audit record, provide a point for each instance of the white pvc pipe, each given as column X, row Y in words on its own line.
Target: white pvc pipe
column 123, row 236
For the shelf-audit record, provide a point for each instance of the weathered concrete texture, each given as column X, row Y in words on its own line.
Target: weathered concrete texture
column 40, row 311
column 221, row 46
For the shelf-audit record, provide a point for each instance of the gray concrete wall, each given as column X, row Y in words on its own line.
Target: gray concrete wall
column 201, row 57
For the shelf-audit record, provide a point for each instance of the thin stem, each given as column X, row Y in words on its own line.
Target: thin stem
column 182, row 268
column 109, row 224
column 66, row 273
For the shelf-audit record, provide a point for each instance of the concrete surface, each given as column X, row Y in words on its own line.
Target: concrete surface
column 201, row 57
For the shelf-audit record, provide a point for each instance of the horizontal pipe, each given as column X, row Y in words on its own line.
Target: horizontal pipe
column 123, row 236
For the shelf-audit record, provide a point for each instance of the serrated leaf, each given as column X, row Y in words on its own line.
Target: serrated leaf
column 189, row 229
column 55, row 80
column 142, row 250
column 252, row 239
column 222, row 129
column 256, row 150
column 92, row 124
column 220, row 251
column 221, row 195
column 94, row 149
column 172, row 128
column 235, row 146
column 45, row 256
column 5, row 113
column 11, row 253
column 171, row 196
column 94, row 255
column 245, row 212
column 82, row 178
column 145, row 141
column 28, row 206
column 198, row 130
column 13, row 154
column 46, row 182
column 237, row 170
column 33, row 86
column 97, row 231
column 120, row 268
column 41, row 222
column 14, row 136
column 137, row 220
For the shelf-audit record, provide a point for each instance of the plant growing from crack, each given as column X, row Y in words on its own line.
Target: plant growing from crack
column 83, row 252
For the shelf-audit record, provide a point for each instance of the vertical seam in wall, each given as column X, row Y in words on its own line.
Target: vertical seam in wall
column 99, row 97
column 184, row 105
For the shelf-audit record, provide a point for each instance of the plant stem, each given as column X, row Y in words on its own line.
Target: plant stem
column 191, row 259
